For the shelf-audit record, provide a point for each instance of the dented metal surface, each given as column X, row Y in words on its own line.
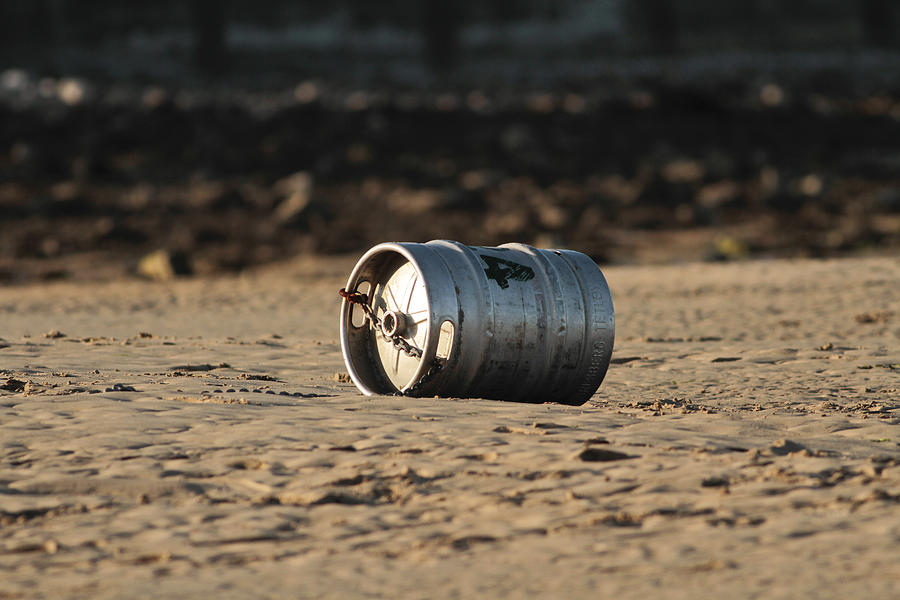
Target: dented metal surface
column 510, row 322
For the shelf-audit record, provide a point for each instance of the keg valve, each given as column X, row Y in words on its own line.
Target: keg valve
column 391, row 327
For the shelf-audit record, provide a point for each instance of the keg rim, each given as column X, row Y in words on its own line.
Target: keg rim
column 350, row 358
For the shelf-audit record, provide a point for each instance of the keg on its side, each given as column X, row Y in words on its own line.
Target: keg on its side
column 446, row 319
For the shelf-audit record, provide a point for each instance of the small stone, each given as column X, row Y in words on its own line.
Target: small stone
column 31, row 388
column 592, row 454
column 54, row 334
column 121, row 387
column 714, row 482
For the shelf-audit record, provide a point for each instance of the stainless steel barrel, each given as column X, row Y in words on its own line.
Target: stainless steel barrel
column 510, row 322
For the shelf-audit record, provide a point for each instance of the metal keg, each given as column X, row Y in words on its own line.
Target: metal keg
column 510, row 322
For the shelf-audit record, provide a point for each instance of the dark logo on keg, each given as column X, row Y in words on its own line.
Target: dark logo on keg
column 502, row 271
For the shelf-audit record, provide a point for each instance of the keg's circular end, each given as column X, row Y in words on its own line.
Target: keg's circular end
column 384, row 350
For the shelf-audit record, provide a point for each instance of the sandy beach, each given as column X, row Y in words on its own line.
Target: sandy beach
column 199, row 438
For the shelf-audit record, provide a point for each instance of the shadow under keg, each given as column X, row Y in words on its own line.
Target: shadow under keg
column 510, row 322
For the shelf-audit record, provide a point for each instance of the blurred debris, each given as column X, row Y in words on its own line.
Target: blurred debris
column 771, row 95
column 296, row 191
column 71, row 91
column 681, row 171
column 306, row 92
column 810, row 185
column 729, row 248
column 162, row 265
column 96, row 178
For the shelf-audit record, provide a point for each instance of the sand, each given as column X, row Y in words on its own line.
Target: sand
column 196, row 439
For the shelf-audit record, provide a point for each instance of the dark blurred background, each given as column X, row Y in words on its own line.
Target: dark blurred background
column 207, row 136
